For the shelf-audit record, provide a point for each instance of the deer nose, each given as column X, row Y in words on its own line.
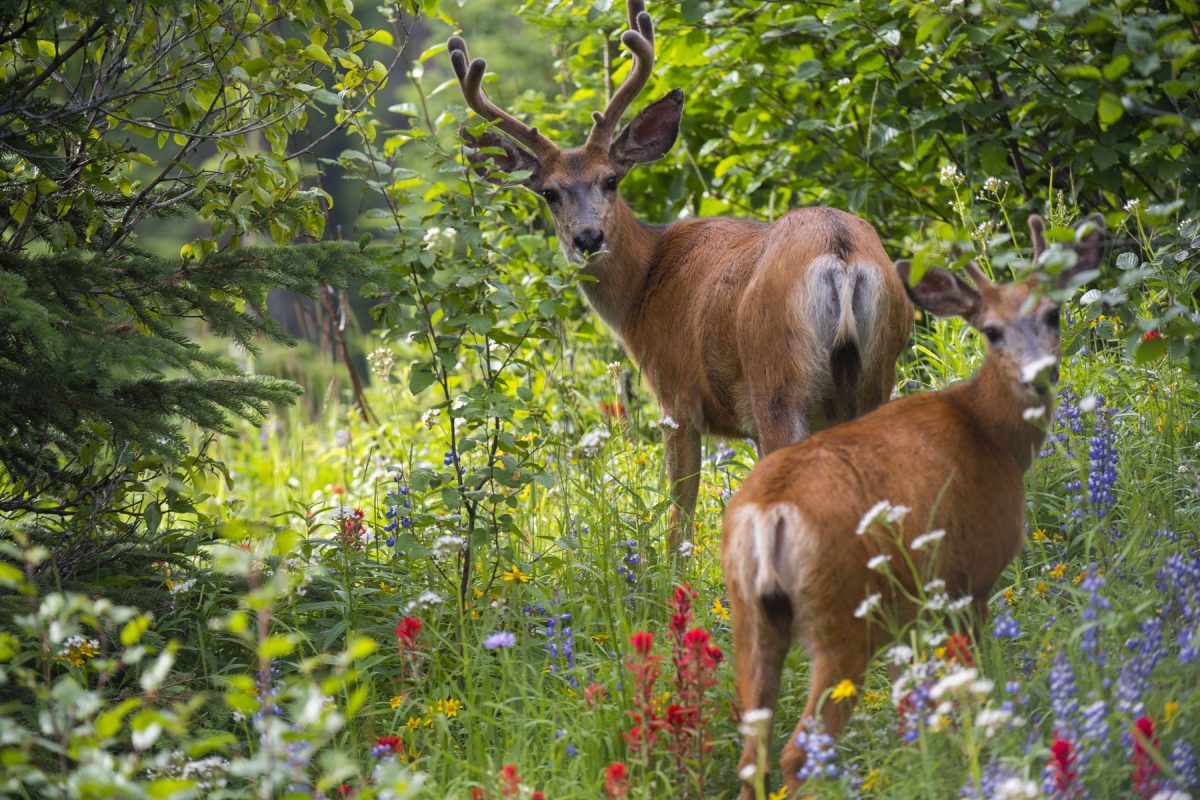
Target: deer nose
column 589, row 241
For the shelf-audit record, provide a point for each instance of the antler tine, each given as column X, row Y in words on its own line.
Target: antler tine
column 640, row 41
column 1037, row 232
column 470, row 78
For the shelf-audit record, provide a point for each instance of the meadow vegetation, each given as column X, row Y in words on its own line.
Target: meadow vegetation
column 459, row 588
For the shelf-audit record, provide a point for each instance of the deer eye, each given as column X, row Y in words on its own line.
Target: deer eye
column 610, row 183
column 1052, row 318
column 551, row 195
column 993, row 334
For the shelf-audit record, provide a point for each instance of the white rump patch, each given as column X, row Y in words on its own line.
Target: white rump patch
column 770, row 550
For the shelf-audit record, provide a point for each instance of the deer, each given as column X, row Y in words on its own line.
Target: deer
column 741, row 328
column 794, row 550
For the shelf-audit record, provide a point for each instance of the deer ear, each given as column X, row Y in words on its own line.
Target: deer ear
column 652, row 133
column 506, row 155
column 941, row 292
column 1089, row 250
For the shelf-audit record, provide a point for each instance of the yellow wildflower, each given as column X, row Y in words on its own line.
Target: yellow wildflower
column 1039, row 535
column 1040, row 589
column 387, row 587
column 413, row 723
column 719, row 610
column 843, row 690
column 77, row 650
column 448, row 708
column 396, row 701
column 1079, row 578
column 781, row 794
column 1010, row 596
column 871, row 781
column 1059, row 570
column 1170, row 710
column 874, row 700
column 515, row 575
column 939, row 653
column 1158, row 423
column 600, row 638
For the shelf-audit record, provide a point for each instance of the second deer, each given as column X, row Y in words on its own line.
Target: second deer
column 742, row 329
column 795, row 553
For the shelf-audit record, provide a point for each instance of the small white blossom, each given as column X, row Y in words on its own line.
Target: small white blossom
column 954, row 683
column 593, row 441
column 843, row 82
column 935, row 585
column 341, row 437
column 181, row 586
column 614, row 370
column 869, row 604
column 430, row 418
column 950, row 176
column 994, row 185
column 1033, row 412
column 445, row 545
column 1017, row 789
column 961, row 603
column 879, row 562
column 993, row 720
column 982, row 687
column 899, row 654
column 756, row 715
column 897, row 513
column 667, row 423
column 1088, row 404
column 935, row 638
column 686, row 548
column 924, row 539
column 1133, row 205
column 891, row 37
column 382, row 361
column 1171, row 794
column 937, row 602
column 435, row 237
column 872, row 515
column 747, row 772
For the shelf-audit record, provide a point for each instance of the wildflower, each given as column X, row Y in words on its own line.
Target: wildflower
column 629, row 560
column 818, row 751
column 667, row 423
column 341, row 437
column 396, row 701
column 1132, row 206
column 78, row 649
column 387, row 746
column 613, row 370
column 406, row 631
column 950, row 176
column 499, row 639
column 593, row 693
column 1097, row 603
column 843, row 690
column 899, row 654
column 1015, row 788
column 924, row 539
column 994, row 185
column 616, row 780
column 685, row 548
column 1006, row 626
column 1170, row 709
column 448, row 708
column 413, row 723
column 993, row 720
column 1102, row 464
column 1145, row 767
column 1058, row 570
column 953, row 683
column 879, row 562
column 781, row 793
column 641, row 642
column 593, row 441
column 514, row 575
column 719, row 610
column 874, row 514
column 382, row 362
column 958, row 649
column 867, row 605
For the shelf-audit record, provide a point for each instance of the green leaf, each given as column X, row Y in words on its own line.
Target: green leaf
column 1110, row 109
column 317, row 53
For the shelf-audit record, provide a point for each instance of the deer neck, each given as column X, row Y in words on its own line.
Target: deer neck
column 1004, row 412
column 617, row 278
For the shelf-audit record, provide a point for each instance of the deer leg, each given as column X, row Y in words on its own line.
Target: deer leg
column 682, row 446
column 762, row 636
column 781, row 418
column 829, row 667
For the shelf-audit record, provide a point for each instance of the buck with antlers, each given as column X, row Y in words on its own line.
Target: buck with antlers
column 797, row 538
column 741, row 328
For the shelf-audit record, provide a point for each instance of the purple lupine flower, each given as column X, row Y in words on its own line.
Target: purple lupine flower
column 1064, row 697
column 495, row 641
column 1092, row 583
column 630, row 560
column 1093, row 731
column 1184, row 765
column 1102, row 459
column 561, row 646
column 819, row 755
column 1179, row 583
column 1144, row 651
column 398, row 509
column 1006, row 626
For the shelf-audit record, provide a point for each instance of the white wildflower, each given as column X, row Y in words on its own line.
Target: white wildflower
column 182, row 586
column 424, row 600
column 614, row 370
column 445, row 545
column 436, row 237
column 686, row 548
column 937, row 602
column 382, row 361
column 954, row 683
column 872, row 515
column 142, row 739
column 869, row 604
column 1133, row 205
column 1088, row 404
column 879, row 562
column 924, row 539
column 899, row 654
column 935, row 585
column 897, row 513
column 843, row 82
column 961, row 603
column 994, row 185
column 756, row 715
column 430, row 418
column 935, row 638
column 668, row 423
column 341, row 437
column 1171, row 794
column 1015, row 788
column 993, row 720
column 982, row 688
column 950, row 176
column 593, row 441
column 1033, row 412
column 747, row 772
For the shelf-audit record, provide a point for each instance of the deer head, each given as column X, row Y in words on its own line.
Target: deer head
column 1020, row 323
column 579, row 184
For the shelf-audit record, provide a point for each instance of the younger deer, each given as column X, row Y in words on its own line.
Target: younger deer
column 794, row 566
column 741, row 328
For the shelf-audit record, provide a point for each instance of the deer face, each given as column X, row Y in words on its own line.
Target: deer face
column 1020, row 323
column 579, row 185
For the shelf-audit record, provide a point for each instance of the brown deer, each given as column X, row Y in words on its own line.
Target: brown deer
column 795, row 562
column 741, row 328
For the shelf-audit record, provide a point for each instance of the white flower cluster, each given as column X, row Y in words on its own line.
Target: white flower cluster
column 950, row 176
column 881, row 512
column 436, row 237
column 430, row 418
column 447, row 545
column 382, row 361
column 593, row 441
column 668, row 423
